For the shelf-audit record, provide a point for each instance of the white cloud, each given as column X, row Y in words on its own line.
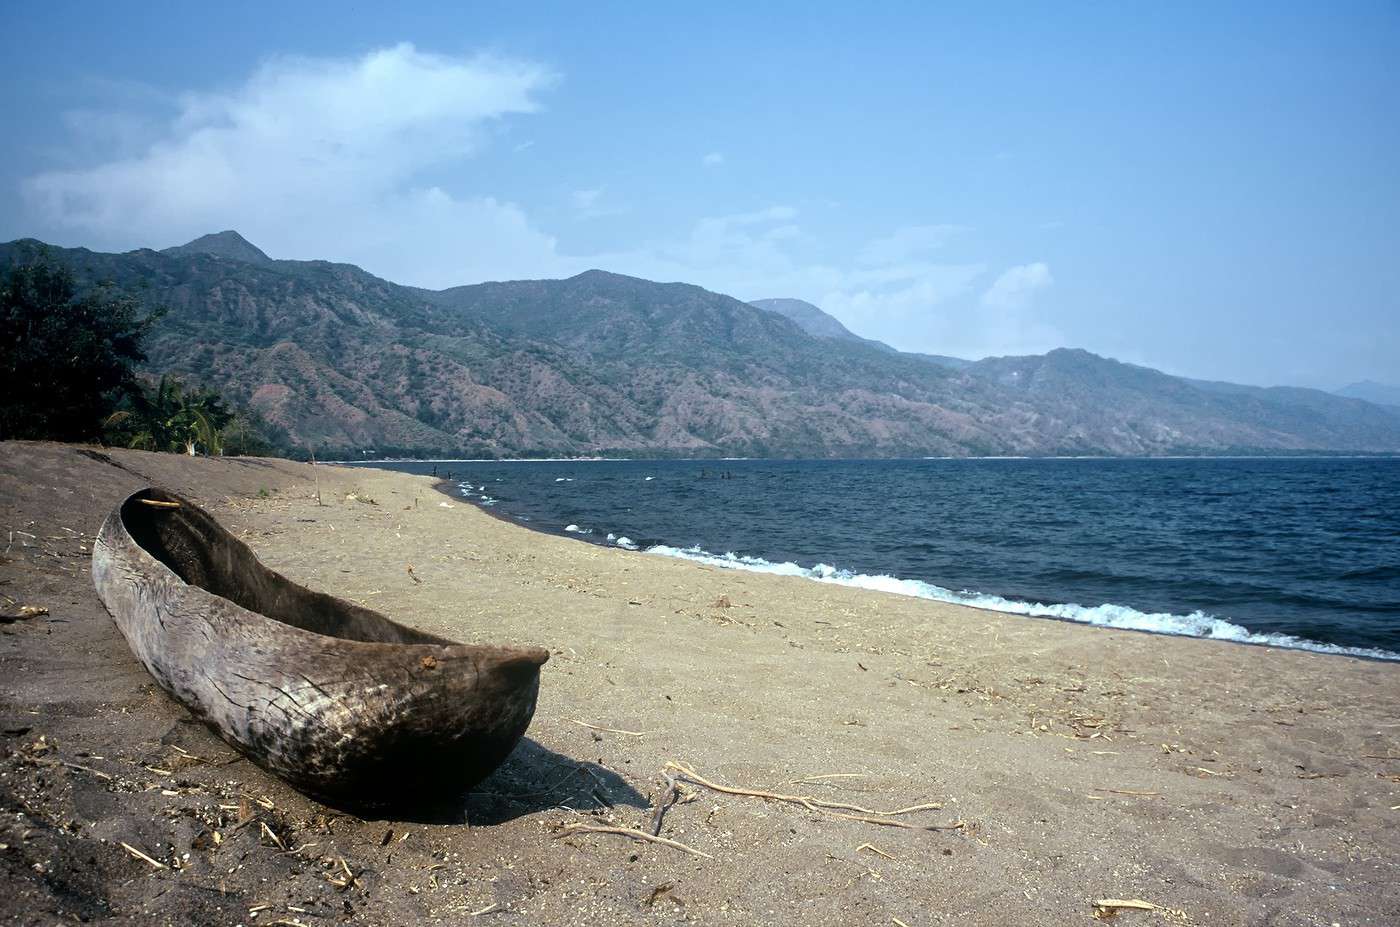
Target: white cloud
column 322, row 158
column 339, row 159
column 1015, row 288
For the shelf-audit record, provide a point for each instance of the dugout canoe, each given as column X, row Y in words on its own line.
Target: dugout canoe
column 340, row 701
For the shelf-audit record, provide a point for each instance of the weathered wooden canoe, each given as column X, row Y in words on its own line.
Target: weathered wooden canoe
column 340, row 701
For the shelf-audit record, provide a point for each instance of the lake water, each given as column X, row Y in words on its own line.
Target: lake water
column 1285, row 552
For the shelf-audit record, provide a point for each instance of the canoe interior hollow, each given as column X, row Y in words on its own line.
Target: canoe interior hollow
column 195, row 548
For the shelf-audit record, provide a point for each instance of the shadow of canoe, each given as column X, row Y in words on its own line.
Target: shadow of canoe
column 534, row 778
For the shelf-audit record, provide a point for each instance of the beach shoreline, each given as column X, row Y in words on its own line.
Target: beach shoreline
column 1232, row 785
column 1071, row 613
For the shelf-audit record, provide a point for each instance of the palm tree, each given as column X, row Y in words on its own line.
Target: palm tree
column 169, row 419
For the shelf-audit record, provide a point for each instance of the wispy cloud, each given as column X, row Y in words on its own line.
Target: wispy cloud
column 313, row 155
column 713, row 159
column 1015, row 288
column 908, row 242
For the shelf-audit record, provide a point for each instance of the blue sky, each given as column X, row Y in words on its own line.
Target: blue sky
column 1212, row 191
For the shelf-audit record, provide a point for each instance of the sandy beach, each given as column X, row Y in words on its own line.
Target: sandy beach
column 1221, row 783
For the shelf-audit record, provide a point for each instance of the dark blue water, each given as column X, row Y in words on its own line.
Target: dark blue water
column 1304, row 548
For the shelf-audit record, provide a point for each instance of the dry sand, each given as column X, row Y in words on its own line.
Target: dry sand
column 1227, row 784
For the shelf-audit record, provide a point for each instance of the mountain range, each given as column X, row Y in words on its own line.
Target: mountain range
column 1383, row 394
column 604, row 364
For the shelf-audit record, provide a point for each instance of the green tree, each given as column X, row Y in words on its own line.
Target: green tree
column 64, row 358
column 169, row 418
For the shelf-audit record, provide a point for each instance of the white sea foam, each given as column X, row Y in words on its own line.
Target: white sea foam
column 575, row 529
column 563, row 479
column 624, row 542
column 1196, row 624
column 648, row 479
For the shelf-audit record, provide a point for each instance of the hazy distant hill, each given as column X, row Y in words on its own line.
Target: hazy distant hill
column 1371, row 391
column 1148, row 408
column 815, row 321
column 606, row 364
column 812, row 320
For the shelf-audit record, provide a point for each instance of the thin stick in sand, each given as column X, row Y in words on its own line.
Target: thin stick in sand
column 667, row 799
column 570, row 829
column 142, row 856
column 1134, row 792
column 873, row 849
column 607, row 730
column 891, row 822
column 809, row 802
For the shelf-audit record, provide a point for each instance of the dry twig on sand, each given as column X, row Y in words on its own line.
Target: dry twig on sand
column 822, row 778
column 1105, row 908
column 667, row 799
column 811, row 803
column 575, row 828
column 142, row 856
column 607, row 730
column 873, row 849
column 1133, row 792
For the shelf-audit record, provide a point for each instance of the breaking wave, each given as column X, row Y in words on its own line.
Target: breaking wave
column 1196, row 624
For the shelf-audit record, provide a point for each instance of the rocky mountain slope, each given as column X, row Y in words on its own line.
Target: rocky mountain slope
column 605, row 364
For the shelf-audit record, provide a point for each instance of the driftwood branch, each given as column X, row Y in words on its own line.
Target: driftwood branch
column 667, row 799
column 809, row 802
column 570, row 829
